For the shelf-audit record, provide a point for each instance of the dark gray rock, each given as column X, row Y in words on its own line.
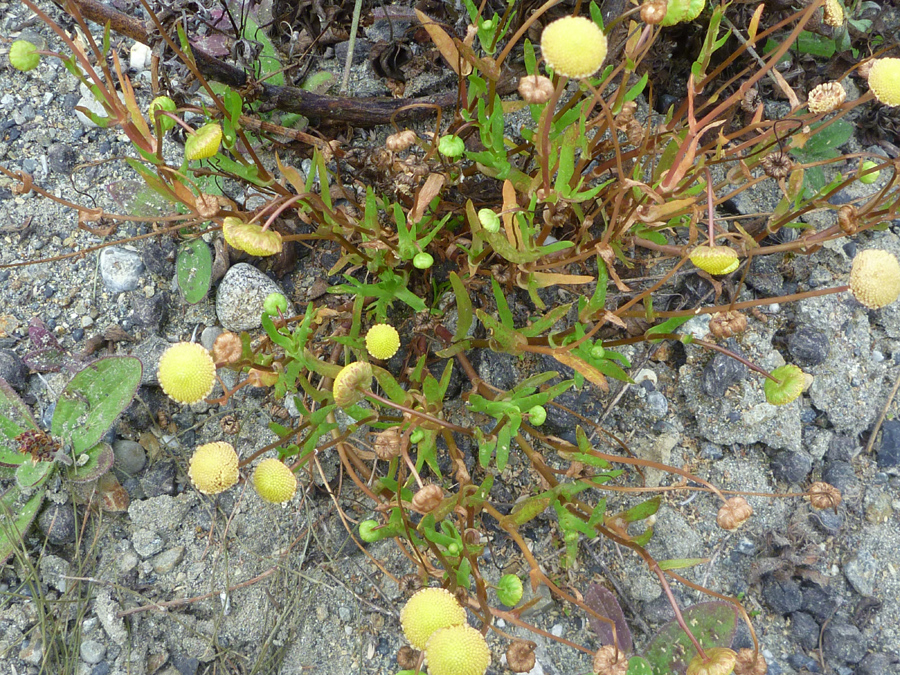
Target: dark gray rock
column 159, row 479
column 712, row 452
column 802, row 662
column 828, row 521
column 185, row 665
column 844, row 643
column 148, row 312
column 159, row 257
column 12, row 369
column 889, row 450
column 843, row 477
column 61, row 158
column 782, row 596
column 360, row 50
column 861, row 571
column 805, row 630
column 130, row 456
column 809, row 347
column 791, row 467
column 879, row 663
column 120, row 269
column 841, row 448
column 57, row 522
column 721, row 372
column 818, row 602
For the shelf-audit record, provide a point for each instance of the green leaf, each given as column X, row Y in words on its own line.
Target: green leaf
column 99, row 461
column 712, row 623
column 642, row 510
column 93, row 399
column 666, row 327
column 815, row 44
column 15, row 418
column 193, row 269
column 30, row 475
column 15, row 520
column 638, row 665
column 635, row 90
column 681, row 563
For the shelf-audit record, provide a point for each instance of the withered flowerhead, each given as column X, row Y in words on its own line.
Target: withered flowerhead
column 349, row 382
column 654, row 11
column 388, row 443
column 777, row 165
column 535, row 89
column 720, row 661
column 824, row 496
column 826, row 97
column 610, row 661
column 727, row 324
column 39, row 444
column 400, row 141
column 227, row 348
column 520, row 656
column 734, row 513
column 428, row 498
column 834, row 13
column 750, row 663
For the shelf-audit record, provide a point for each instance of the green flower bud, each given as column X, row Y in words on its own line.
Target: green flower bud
column 597, row 352
column 23, row 55
column 451, row 146
column 537, row 415
column 274, row 302
column 166, row 104
column 509, row 590
column 417, row 436
column 869, row 178
column 489, row 220
column 423, row 261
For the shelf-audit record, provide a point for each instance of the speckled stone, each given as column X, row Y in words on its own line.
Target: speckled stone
column 239, row 300
column 120, row 269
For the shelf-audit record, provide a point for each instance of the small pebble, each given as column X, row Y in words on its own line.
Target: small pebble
column 62, row 158
column 808, row 346
column 791, row 467
column 130, row 456
column 889, row 451
column 92, row 651
column 120, row 269
column 844, row 643
column 240, row 297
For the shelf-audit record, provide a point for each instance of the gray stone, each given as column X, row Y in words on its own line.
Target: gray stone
column 791, row 467
column 33, row 652
column 130, row 456
column 12, row 369
column 150, row 351
column 209, row 335
column 843, row 477
column 861, row 572
column 805, row 630
column 166, row 561
column 819, row 602
column 844, row 643
column 878, row 663
column 240, row 297
column 720, row 373
column 120, row 269
column 149, row 312
column 808, row 347
column 147, row 543
column 159, row 479
column 62, row 158
column 53, row 572
column 107, row 611
column 92, row 651
column 889, row 450
column 161, row 514
column 57, row 522
column 782, row 596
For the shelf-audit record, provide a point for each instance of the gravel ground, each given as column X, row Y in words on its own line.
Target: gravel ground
column 823, row 588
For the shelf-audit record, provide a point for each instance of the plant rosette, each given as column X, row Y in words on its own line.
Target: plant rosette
column 186, row 372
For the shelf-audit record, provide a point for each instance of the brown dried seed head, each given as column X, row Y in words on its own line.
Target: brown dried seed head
column 824, row 496
column 349, row 382
column 654, row 11
column 535, row 89
column 409, row 584
column 727, row 324
column 626, row 114
column 206, row 205
column 401, row 140
column 227, row 348
column 749, row 663
column 864, row 68
column 428, row 498
column 520, row 656
column 834, row 13
column 751, row 100
column 635, row 132
column 826, row 97
column 230, row 425
column 734, row 513
column 407, row 657
column 777, row 165
column 847, row 219
column 388, row 443
column 610, row 661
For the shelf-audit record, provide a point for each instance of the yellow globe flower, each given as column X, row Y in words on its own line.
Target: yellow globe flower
column 213, row 468
column 884, row 81
column 204, row 142
column 573, row 46
column 875, row 278
column 715, row 259
column 382, row 341
column 457, row 650
column 274, row 481
column 186, row 372
column 427, row 611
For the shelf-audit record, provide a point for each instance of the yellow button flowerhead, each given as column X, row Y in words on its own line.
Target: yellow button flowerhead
column 349, row 382
column 214, row 468
column 274, row 481
column 186, row 372
column 457, row 650
column 573, row 46
column 427, row 611
column 715, row 259
column 884, row 81
column 204, row 142
column 875, row 278
column 250, row 237
column 382, row 341
column 23, row 55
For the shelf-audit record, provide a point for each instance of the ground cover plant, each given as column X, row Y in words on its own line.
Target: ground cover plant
column 581, row 184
